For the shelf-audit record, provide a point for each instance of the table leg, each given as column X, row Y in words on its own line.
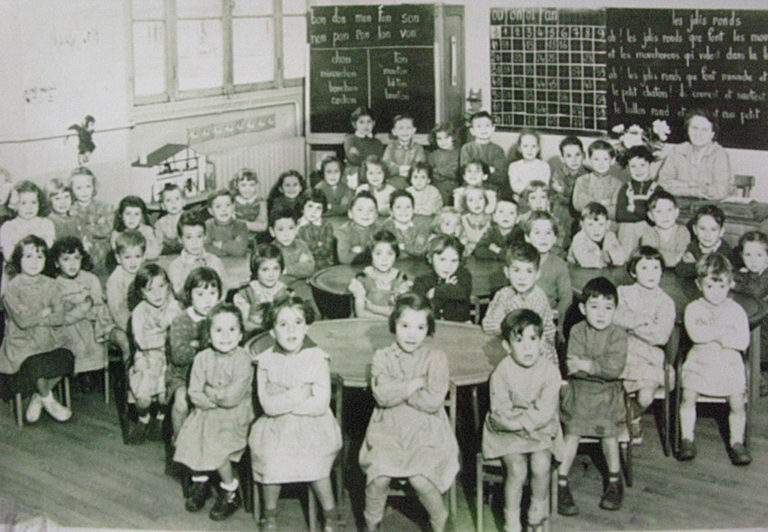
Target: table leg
column 753, row 386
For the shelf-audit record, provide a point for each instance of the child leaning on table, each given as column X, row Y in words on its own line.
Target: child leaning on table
column 448, row 287
column 267, row 265
column 708, row 227
column 594, row 246
column 719, row 330
column 523, row 426
column 592, row 403
column 354, row 237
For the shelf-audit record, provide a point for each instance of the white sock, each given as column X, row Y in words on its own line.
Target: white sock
column 144, row 419
column 736, row 424
column 232, row 486
column 687, row 422
column 48, row 399
column 200, row 478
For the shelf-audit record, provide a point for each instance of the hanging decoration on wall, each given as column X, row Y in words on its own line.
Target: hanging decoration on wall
column 249, row 124
column 84, row 133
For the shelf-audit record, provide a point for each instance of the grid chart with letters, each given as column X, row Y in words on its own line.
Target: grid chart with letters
column 548, row 69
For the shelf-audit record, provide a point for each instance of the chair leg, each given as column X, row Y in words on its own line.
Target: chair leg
column 312, row 509
column 17, row 404
column 67, row 399
column 106, row 383
column 479, row 503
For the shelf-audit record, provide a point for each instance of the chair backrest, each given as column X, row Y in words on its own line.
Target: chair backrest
column 744, row 183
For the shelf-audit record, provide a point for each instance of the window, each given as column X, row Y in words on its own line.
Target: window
column 195, row 48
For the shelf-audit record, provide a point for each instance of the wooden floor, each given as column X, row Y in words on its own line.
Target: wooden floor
column 79, row 474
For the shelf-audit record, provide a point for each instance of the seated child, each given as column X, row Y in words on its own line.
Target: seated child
column 708, row 227
column 529, row 167
column 166, row 226
column 354, row 237
column 250, row 208
column 216, row 432
column 719, row 330
column 286, row 192
column 427, row 200
column 378, row 285
column 297, row 258
column 59, row 198
column 498, row 236
column 447, row 222
column 482, row 149
column 564, row 177
column 444, row 160
column 632, row 201
column 664, row 233
column 360, row 144
column 475, row 221
column 539, row 197
column 599, row 185
column 648, row 315
column 374, row 172
column 129, row 254
column 592, row 403
column 26, row 200
column 523, row 424
column 338, row 195
column 522, row 271
column 202, row 290
column 224, row 235
column 409, row 435
column 594, row 246
column 131, row 215
column 267, row 265
column 403, row 152
column 297, row 439
column 474, row 174
column 411, row 235
column 191, row 230
column 448, row 286
column 315, row 231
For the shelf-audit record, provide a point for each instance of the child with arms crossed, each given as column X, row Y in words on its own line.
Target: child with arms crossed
column 448, row 287
column 131, row 215
column 490, row 153
column 249, row 207
column 403, row 152
column 94, row 218
column 286, row 192
column 476, row 221
column 338, row 195
column 599, row 185
column 192, row 230
column 354, row 237
column 129, row 254
column 500, row 233
column 315, row 231
column 427, row 200
column 708, row 227
column 666, row 235
column 267, row 266
column 166, row 226
column 529, row 167
column 412, row 235
column 595, row 246
column 224, row 235
column 444, row 160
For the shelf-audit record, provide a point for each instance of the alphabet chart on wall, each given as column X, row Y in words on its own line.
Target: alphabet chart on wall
column 548, row 69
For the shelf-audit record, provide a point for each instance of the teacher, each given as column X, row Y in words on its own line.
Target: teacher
column 699, row 167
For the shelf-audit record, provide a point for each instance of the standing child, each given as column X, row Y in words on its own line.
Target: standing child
column 409, row 435
column 216, row 432
column 224, row 235
column 166, row 226
column 191, row 230
column 202, row 290
column 411, row 234
column 444, row 160
column 708, row 227
column 448, row 286
column 592, row 404
column 94, row 218
column 376, row 287
column 529, row 167
column 564, row 177
column 360, row 144
column 354, row 237
column 33, row 314
column 374, row 172
column 665, row 234
column 267, row 265
column 719, row 330
column 598, row 185
column 632, row 201
column 6, row 185
column 59, row 199
column 648, row 315
column 475, row 174
column 482, row 149
column 498, row 236
column 476, row 220
column 427, row 200
column 523, row 425
column 595, row 246
column 403, row 152
column 297, row 439
column 338, row 195
column 250, row 208
column 298, row 260
column 286, row 192
column 315, row 231
column 154, row 309
column 131, row 215
column 129, row 254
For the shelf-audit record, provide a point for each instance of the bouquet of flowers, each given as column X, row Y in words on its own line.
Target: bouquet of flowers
column 623, row 138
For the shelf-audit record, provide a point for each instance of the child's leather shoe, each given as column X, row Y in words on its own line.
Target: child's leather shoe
column 613, row 496
column 565, row 503
column 740, row 456
column 687, row 450
column 227, row 503
column 137, row 433
column 155, row 430
column 198, row 494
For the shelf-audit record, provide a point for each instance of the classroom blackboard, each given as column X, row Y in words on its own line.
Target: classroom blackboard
column 662, row 62
column 381, row 57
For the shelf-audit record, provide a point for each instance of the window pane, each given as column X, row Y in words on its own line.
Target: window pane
column 148, row 58
column 198, row 8
column 294, row 7
column 294, row 47
column 147, row 9
column 253, row 50
column 251, row 7
column 200, row 54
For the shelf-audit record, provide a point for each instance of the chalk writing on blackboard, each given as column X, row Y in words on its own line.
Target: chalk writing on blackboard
column 548, row 69
column 663, row 62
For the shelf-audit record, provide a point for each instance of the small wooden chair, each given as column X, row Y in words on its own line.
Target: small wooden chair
column 744, row 184
column 61, row 390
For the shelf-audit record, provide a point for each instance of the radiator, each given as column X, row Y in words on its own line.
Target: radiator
column 268, row 160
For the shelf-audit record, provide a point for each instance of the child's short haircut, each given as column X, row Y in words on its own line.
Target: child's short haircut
column 190, row 218
column 445, row 212
column 601, row 145
column 219, row 194
column 477, row 162
column 442, row 242
column 399, row 118
column 714, row 265
column 387, row 237
column 420, row 166
column 413, row 301
column 641, row 152
column 643, row 253
column 478, row 115
column 201, row 277
column 245, row 174
column 314, row 195
column 264, row 252
column 281, row 213
column 708, row 210
column 14, row 263
column 517, row 321
column 446, row 127
column 290, row 300
column 658, row 195
column 219, row 308
column 537, row 184
column 169, row 187
column 71, row 244
column 535, row 216
column 522, row 252
column 599, row 287
column 593, row 211
column 363, row 194
column 400, row 193
column 571, row 140
column 506, row 197
column 129, row 239
column 360, row 111
column 55, row 186
column 29, row 186
column 752, row 236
